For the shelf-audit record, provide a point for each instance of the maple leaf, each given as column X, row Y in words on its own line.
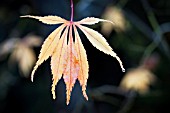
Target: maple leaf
column 21, row 52
column 68, row 57
column 115, row 15
column 138, row 79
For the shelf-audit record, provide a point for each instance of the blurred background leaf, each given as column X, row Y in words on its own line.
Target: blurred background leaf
column 20, row 51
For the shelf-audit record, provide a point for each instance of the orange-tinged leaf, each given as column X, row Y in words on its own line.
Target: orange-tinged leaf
column 72, row 69
column 68, row 58
column 48, row 47
column 99, row 42
column 82, row 57
column 48, row 19
column 57, row 59
column 91, row 21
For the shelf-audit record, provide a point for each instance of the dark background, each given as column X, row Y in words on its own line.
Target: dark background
column 147, row 22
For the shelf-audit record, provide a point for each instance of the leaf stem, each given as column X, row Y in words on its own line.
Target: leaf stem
column 72, row 10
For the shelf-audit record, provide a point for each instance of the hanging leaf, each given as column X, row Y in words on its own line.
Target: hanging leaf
column 68, row 57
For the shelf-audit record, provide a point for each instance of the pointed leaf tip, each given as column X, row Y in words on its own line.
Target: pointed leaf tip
column 32, row 79
column 53, row 93
column 24, row 16
column 85, row 95
column 120, row 62
column 32, row 75
column 67, row 103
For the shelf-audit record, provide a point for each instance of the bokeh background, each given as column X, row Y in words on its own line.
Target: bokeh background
column 140, row 36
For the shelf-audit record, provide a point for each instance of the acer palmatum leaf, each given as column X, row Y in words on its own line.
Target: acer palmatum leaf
column 69, row 57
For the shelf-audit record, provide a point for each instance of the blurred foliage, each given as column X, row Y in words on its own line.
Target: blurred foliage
column 140, row 36
column 20, row 51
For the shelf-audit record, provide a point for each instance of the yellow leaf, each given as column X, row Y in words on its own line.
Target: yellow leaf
column 84, row 67
column 48, row 47
column 68, row 57
column 115, row 15
column 138, row 79
column 99, row 42
column 21, row 52
column 48, row 19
